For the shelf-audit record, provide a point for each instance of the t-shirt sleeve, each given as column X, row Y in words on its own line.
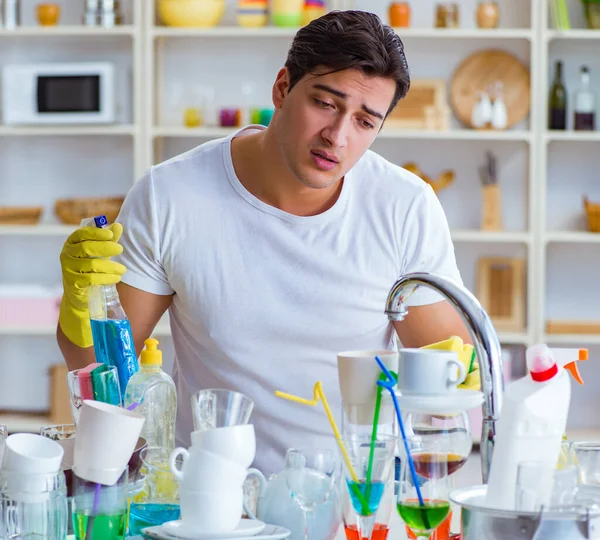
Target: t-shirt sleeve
column 428, row 245
column 141, row 240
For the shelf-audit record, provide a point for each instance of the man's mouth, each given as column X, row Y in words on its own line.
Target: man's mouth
column 325, row 156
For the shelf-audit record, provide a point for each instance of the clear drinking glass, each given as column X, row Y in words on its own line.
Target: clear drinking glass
column 310, row 476
column 101, row 385
column 100, row 512
column 368, row 471
column 59, row 432
column 33, row 506
column 3, row 435
column 586, row 456
column 220, row 408
column 424, row 514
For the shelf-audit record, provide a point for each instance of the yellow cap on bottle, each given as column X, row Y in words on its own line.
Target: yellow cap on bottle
column 151, row 355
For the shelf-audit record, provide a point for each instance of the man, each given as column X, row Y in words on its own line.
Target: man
column 274, row 249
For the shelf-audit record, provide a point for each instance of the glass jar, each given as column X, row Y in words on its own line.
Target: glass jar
column 399, row 14
column 592, row 14
column 447, row 15
column 33, row 505
column 488, row 14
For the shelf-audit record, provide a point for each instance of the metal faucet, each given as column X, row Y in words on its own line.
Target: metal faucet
column 485, row 341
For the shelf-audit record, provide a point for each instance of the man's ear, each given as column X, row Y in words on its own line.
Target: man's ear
column 281, row 87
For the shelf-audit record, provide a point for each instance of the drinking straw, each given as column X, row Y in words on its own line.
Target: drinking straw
column 320, row 395
column 389, row 383
column 382, row 377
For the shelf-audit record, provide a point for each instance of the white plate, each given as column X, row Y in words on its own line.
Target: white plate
column 456, row 402
column 270, row 532
column 246, row 528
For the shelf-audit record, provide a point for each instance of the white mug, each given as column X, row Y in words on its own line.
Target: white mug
column 29, row 453
column 236, row 443
column 429, row 372
column 211, row 511
column 205, row 471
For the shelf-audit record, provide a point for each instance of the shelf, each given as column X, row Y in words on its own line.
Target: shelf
column 572, row 136
column 24, row 422
column 488, row 236
column 456, row 134
column 575, row 237
column 67, row 31
column 274, row 31
column 573, row 34
column 71, row 130
column 573, row 339
column 514, row 338
column 36, row 230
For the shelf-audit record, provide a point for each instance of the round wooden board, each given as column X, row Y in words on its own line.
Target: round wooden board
column 482, row 69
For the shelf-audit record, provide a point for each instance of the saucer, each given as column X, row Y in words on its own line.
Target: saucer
column 270, row 532
column 246, row 528
column 451, row 403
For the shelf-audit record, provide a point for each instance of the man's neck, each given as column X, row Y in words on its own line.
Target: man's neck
column 260, row 169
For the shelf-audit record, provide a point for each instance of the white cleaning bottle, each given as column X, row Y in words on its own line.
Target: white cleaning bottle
column 533, row 419
column 155, row 392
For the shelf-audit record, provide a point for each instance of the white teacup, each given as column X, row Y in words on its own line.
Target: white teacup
column 211, row 511
column 429, row 372
column 204, row 471
column 235, row 443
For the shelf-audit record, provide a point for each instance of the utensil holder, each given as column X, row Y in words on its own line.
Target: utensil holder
column 491, row 217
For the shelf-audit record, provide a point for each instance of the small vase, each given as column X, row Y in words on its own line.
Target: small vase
column 399, row 14
column 488, row 14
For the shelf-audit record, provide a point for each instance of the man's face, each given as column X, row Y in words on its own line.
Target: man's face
column 328, row 121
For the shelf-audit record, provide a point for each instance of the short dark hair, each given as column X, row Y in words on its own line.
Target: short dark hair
column 350, row 39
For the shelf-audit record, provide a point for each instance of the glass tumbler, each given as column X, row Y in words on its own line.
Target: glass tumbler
column 33, row 506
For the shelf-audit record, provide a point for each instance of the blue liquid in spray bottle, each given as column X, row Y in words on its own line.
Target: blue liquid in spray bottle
column 111, row 330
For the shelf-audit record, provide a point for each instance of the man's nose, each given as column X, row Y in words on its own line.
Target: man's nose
column 336, row 133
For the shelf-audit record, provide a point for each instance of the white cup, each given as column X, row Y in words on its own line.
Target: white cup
column 211, row 511
column 106, row 438
column 235, row 443
column 29, row 453
column 429, row 372
column 204, row 471
column 358, row 373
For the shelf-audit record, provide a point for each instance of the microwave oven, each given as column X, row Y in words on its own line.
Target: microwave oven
column 59, row 93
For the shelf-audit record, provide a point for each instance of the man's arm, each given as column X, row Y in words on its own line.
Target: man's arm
column 429, row 324
column 143, row 309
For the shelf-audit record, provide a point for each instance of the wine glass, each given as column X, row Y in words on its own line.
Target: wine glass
column 368, row 470
column 425, row 508
column 453, row 431
column 310, row 475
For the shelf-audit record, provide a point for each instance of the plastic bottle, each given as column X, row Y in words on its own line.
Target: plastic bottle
column 155, row 392
column 111, row 330
column 533, row 419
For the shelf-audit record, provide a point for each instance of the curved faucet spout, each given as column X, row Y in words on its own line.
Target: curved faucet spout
column 485, row 341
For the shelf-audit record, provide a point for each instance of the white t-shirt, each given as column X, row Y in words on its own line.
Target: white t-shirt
column 263, row 299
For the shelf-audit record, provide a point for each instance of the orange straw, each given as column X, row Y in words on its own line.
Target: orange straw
column 319, row 394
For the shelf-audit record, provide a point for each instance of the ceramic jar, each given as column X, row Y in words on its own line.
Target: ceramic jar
column 488, row 14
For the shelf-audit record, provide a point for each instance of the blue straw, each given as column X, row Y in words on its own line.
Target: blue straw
column 389, row 385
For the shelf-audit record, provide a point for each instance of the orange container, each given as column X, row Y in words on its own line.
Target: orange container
column 399, row 13
column 48, row 14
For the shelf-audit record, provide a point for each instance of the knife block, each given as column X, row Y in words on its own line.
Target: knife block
column 491, row 215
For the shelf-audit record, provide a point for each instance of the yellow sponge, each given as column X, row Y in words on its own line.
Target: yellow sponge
column 466, row 354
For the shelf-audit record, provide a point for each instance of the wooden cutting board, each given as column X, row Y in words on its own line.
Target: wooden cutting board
column 482, row 69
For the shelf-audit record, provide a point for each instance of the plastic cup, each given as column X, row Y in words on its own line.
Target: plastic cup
column 94, row 384
column 220, row 408
column 106, row 439
column 29, row 453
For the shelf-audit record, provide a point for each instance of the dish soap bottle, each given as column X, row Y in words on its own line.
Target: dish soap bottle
column 111, row 330
column 533, row 419
column 154, row 391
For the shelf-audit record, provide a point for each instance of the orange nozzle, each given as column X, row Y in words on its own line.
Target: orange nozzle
column 572, row 367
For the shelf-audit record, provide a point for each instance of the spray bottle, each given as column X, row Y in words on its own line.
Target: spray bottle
column 533, row 419
column 111, row 330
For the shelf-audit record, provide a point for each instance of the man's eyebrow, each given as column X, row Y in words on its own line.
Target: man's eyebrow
column 343, row 95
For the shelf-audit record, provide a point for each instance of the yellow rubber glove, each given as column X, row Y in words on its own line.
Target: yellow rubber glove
column 466, row 355
column 85, row 261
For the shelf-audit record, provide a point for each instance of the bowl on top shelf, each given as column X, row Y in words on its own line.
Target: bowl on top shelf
column 191, row 13
column 72, row 211
column 20, row 215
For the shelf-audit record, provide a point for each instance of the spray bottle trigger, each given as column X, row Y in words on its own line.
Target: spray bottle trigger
column 572, row 366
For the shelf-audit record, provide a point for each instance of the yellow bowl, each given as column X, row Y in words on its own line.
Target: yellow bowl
column 195, row 13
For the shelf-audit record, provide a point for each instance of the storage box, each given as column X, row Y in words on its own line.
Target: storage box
column 29, row 305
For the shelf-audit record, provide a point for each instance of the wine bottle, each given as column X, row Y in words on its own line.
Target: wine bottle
column 585, row 104
column 557, row 101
